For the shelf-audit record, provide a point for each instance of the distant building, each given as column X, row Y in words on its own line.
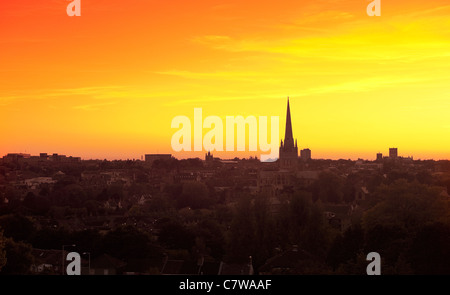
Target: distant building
column 393, row 153
column 306, row 178
column 150, row 158
column 271, row 181
column 288, row 150
column 9, row 158
column 37, row 182
column 379, row 157
column 209, row 157
column 187, row 176
column 42, row 157
column 305, row 154
column 364, row 165
column 59, row 158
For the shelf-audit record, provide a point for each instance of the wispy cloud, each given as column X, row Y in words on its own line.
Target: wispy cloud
column 94, row 106
column 405, row 38
column 350, row 47
column 434, row 11
column 96, row 92
column 223, row 98
column 362, row 85
column 222, row 75
column 352, row 86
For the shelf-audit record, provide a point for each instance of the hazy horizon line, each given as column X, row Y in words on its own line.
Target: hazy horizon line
column 142, row 158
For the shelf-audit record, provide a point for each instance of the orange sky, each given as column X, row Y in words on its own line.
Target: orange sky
column 107, row 84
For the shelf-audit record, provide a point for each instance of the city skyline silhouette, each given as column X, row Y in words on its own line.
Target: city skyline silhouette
column 95, row 88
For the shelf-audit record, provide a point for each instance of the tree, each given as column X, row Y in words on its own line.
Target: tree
column 18, row 227
column 38, row 205
column 424, row 177
column 72, row 195
column 165, row 164
column 328, row 188
column 335, row 253
column 116, row 191
column 132, row 246
column 316, row 237
column 264, row 230
column 194, row 195
column 173, row 191
column 389, row 241
column 356, row 266
column 49, row 238
column 448, row 186
column 242, row 232
column 299, row 209
column 103, row 195
column 406, row 205
column 345, row 248
column 93, row 207
column 173, row 235
column 18, row 258
column 135, row 211
column 86, row 240
column 157, row 203
column 429, row 251
column 349, row 190
column 2, row 250
column 209, row 234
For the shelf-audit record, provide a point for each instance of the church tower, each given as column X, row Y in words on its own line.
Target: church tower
column 288, row 150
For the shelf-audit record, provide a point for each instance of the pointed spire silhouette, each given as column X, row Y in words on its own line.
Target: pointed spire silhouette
column 288, row 137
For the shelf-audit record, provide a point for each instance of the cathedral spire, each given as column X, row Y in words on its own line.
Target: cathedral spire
column 288, row 137
column 288, row 152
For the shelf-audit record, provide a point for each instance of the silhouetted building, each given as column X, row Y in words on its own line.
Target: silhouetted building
column 393, row 153
column 209, row 157
column 57, row 158
column 379, row 157
column 10, row 158
column 150, row 158
column 305, row 154
column 288, row 150
column 41, row 158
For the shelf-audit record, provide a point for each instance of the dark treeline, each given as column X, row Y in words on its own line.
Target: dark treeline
column 405, row 218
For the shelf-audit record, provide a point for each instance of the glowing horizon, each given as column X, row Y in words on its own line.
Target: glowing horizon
column 107, row 84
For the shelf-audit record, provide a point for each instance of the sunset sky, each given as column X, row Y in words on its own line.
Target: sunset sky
column 107, row 84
